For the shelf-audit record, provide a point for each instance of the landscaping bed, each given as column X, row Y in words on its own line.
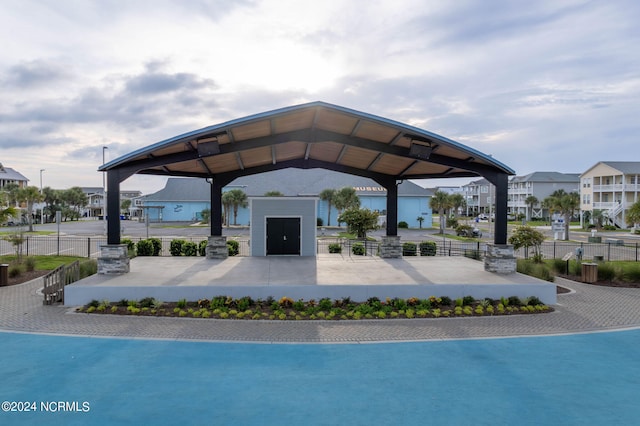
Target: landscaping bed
column 245, row 308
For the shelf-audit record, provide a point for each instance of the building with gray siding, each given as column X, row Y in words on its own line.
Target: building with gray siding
column 184, row 199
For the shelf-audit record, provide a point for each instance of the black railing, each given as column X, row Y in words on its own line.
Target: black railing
column 90, row 247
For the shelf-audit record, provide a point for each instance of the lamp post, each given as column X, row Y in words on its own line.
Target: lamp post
column 41, row 206
column 104, row 192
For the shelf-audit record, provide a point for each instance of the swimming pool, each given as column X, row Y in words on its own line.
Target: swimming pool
column 572, row 379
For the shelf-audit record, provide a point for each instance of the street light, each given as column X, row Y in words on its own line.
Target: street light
column 41, row 206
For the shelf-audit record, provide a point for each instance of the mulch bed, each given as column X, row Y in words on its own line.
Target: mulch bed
column 26, row 276
column 613, row 283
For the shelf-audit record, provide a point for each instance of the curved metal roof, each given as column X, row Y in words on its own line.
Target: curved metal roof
column 312, row 135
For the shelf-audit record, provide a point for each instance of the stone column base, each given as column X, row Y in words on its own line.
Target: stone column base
column 113, row 259
column 500, row 258
column 390, row 247
column 217, row 247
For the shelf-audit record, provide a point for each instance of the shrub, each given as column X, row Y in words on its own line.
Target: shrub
column 409, row 249
column 358, row 249
column 30, row 264
column 319, row 221
column 472, row 254
column 88, row 267
column 452, row 222
column 464, row 230
column 144, row 248
column 131, row 246
column 514, row 301
column 606, row 272
column 335, row 248
column 14, row 271
column 202, row 248
column 189, row 248
column 146, row 302
column 176, row 247
column 428, row 248
column 403, row 225
column 631, row 273
column 157, row 246
column 234, row 247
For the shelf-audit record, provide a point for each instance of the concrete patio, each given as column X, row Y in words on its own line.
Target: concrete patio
column 328, row 275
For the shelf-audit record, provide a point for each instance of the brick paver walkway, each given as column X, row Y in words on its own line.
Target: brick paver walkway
column 590, row 308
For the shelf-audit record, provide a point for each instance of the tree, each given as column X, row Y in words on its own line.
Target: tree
column 11, row 190
column 440, row 202
column 565, row 204
column 359, row 221
column 329, row 196
column 29, row 195
column 420, row 219
column 6, row 211
column 273, row 194
column 237, row 198
column 227, row 202
column 346, row 198
column 457, row 202
column 52, row 202
column 125, row 205
column 633, row 214
column 526, row 236
column 531, row 201
column 74, row 199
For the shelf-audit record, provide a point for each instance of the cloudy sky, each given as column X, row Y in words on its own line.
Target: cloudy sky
column 540, row 85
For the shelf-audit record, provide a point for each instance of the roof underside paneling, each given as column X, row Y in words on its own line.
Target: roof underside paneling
column 310, row 135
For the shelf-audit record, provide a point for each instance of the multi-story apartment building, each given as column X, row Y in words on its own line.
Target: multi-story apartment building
column 610, row 187
column 539, row 185
column 479, row 197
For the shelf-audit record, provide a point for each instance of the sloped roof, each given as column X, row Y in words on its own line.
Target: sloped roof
column 548, row 177
column 7, row 173
column 313, row 135
column 290, row 182
column 626, row 167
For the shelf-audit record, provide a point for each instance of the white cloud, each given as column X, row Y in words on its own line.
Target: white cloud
column 515, row 82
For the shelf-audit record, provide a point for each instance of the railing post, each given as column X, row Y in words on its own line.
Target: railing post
column 27, row 246
column 88, row 246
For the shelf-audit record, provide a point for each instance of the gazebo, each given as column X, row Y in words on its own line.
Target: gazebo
column 311, row 135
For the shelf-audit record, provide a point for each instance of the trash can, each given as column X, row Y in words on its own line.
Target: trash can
column 4, row 274
column 589, row 273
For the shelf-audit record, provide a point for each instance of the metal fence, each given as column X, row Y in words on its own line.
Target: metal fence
column 90, row 247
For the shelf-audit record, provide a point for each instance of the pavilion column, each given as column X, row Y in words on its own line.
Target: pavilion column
column 114, row 257
column 500, row 257
column 391, row 246
column 217, row 244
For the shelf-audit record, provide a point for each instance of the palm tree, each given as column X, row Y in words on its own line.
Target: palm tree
column 30, row 195
column 457, row 202
column 531, row 201
column 440, row 202
column 237, row 198
column 227, row 202
column 346, row 198
column 564, row 204
column 633, row 214
column 329, row 196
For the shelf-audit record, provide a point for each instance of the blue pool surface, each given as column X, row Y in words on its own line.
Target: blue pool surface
column 568, row 380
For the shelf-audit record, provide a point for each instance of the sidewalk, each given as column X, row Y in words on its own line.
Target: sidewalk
column 589, row 308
